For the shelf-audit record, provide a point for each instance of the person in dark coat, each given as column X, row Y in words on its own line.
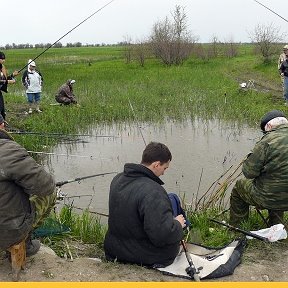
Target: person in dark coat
column 27, row 194
column 65, row 93
column 4, row 81
column 141, row 225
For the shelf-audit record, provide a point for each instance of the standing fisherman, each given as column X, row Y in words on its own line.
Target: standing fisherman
column 4, row 81
column 33, row 81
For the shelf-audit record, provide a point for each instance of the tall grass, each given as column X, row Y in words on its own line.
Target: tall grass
column 105, row 85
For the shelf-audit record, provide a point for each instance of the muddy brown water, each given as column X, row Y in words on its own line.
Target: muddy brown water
column 201, row 152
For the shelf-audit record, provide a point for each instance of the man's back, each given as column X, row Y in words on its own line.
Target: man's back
column 142, row 228
column 268, row 166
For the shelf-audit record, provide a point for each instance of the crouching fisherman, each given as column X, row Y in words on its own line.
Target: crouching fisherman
column 141, row 225
column 65, row 93
column 27, row 194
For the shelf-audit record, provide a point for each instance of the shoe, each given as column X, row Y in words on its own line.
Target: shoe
column 30, row 111
column 32, row 246
column 38, row 110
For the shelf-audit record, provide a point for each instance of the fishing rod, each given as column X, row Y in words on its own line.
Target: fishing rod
column 61, row 183
column 241, row 230
column 101, row 8
column 23, row 132
column 191, row 270
column 271, row 10
column 134, row 115
column 66, row 155
column 93, row 212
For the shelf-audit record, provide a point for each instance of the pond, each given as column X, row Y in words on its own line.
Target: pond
column 201, row 152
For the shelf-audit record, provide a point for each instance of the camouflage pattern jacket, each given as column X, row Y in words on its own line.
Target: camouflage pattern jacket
column 20, row 177
column 267, row 165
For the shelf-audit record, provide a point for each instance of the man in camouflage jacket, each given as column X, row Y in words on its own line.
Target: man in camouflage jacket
column 266, row 173
column 27, row 194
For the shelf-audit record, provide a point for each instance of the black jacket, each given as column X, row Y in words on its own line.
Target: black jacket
column 141, row 226
column 284, row 68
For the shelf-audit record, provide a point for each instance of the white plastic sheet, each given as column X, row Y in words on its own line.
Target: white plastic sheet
column 273, row 233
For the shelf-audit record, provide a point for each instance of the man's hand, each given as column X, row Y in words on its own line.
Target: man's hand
column 180, row 218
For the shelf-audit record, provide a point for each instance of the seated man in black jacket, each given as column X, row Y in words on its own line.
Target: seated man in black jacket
column 141, row 226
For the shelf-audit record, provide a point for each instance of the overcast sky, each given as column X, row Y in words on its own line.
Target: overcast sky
column 35, row 21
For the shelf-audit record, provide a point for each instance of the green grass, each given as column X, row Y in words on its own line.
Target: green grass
column 105, row 85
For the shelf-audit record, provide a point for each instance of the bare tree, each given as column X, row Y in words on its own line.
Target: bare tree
column 266, row 37
column 127, row 49
column 171, row 41
column 230, row 48
column 215, row 45
column 141, row 51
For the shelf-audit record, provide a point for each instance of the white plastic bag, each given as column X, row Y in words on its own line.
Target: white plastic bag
column 273, row 233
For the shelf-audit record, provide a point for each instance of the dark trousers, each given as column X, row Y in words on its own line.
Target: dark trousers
column 2, row 106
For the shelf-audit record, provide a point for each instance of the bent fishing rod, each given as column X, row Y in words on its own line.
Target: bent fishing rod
column 271, row 10
column 247, row 233
column 61, row 183
column 97, row 11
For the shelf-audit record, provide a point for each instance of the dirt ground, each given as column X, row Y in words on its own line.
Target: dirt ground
column 268, row 264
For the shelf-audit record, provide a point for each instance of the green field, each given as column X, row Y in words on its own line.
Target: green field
column 105, row 84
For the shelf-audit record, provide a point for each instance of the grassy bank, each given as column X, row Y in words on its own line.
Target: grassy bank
column 104, row 87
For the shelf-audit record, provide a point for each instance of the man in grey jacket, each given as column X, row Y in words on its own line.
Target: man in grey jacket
column 141, row 225
column 27, row 194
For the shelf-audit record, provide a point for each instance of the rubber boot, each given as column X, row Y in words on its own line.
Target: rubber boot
column 275, row 217
column 32, row 246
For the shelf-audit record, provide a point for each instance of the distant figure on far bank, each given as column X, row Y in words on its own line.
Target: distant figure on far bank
column 65, row 93
column 283, row 70
column 33, row 81
column 281, row 59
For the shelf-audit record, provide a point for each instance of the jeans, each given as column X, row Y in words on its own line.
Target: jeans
column 31, row 97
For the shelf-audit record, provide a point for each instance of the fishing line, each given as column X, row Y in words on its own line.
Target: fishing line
column 67, row 34
column 138, row 126
column 271, row 10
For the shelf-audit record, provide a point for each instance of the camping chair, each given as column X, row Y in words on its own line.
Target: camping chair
column 274, row 217
column 18, row 258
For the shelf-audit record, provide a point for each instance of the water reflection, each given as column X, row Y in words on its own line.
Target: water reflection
column 199, row 150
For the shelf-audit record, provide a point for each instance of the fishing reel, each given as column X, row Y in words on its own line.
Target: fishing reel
column 191, row 271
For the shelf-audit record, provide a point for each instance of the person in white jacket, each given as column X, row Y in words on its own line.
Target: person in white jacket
column 32, row 81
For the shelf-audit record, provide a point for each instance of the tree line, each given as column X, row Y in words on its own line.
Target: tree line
column 172, row 43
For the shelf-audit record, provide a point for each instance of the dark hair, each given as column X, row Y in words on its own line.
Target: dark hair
column 155, row 151
column 2, row 55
